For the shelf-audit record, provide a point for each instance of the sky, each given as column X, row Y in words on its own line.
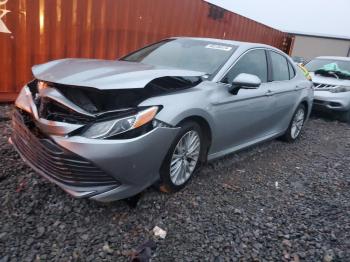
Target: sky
column 320, row 17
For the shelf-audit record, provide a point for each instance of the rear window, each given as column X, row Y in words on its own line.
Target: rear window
column 280, row 70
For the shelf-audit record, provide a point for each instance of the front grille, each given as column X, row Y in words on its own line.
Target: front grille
column 53, row 160
column 321, row 86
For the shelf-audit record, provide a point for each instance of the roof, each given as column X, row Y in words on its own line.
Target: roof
column 226, row 41
column 342, row 58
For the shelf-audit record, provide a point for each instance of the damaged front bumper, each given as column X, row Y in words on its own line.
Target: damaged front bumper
column 103, row 170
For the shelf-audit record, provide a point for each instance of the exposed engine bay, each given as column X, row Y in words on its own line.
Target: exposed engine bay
column 95, row 103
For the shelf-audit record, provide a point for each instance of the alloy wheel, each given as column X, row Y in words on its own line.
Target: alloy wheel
column 185, row 157
column 297, row 123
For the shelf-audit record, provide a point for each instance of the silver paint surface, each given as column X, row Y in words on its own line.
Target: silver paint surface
column 343, row 98
column 235, row 121
column 104, row 74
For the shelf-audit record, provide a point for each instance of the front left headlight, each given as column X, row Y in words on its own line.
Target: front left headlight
column 340, row 89
column 118, row 126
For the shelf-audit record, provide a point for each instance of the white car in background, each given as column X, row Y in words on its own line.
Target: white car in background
column 331, row 78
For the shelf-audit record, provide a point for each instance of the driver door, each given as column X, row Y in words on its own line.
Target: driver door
column 245, row 117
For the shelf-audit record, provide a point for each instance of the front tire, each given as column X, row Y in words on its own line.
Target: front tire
column 296, row 124
column 183, row 158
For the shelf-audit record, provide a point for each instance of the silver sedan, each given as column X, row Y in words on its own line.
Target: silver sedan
column 106, row 130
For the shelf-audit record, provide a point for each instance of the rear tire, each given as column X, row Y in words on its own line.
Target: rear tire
column 183, row 158
column 296, row 124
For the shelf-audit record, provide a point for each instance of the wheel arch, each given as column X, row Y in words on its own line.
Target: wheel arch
column 205, row 127
column 306, row 104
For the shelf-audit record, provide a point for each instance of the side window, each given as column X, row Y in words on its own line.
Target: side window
column 254, row 62
column 291, row 71
column 280, row 71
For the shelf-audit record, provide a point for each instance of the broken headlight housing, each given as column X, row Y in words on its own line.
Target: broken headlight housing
column 340, row 89
column 115, row 127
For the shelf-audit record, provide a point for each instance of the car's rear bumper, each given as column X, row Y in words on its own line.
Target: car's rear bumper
column 103, row 170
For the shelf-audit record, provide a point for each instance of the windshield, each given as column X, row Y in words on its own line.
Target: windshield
column 189, row 54
column 316, row 64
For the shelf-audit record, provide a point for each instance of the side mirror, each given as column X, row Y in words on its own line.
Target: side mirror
column 246, row 81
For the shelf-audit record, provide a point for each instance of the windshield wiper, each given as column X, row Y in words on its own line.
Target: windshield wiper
column 342, row 75
column 325, row 73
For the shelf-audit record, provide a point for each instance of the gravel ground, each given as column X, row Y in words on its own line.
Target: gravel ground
column 272, row 202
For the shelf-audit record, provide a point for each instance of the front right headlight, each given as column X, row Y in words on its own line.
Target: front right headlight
column 117, row 126
column 340, row 89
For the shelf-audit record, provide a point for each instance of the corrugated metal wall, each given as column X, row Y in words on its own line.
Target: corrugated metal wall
column 42, row 30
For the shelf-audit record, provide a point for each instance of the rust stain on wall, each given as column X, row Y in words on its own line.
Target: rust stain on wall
column 43, row 30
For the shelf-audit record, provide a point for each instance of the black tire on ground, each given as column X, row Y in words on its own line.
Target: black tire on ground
column 165, row 184
column 287, row 136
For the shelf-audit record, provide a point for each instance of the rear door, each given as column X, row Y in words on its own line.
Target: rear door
column 284, row 87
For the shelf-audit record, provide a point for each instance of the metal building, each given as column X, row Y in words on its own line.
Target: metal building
column 311, row 46
column 35, row 31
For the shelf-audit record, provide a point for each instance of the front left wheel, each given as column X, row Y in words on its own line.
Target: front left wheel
column 183, row 158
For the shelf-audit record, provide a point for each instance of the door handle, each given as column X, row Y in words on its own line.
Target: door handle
column 296, row 88
column 269, row 93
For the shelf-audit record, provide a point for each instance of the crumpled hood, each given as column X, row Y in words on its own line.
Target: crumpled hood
column 329, row 80
column 104, row 74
